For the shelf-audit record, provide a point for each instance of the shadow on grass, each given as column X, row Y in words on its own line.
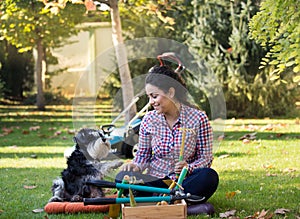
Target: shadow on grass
column 32, row 155
column 232, row 154
column 237, row 135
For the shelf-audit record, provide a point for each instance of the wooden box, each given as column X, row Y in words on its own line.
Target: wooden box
column 153, row 211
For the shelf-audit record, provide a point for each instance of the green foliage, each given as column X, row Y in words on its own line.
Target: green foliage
column 149, row 18
column 50, row 99
column 219, row 36
column 16, row 71
column 23, row 23
column 277, row 27
column 2, row 85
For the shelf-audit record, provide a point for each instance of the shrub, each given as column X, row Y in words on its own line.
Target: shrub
column 50, row 99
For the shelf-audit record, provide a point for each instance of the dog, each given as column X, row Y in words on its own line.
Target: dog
column 84, row 164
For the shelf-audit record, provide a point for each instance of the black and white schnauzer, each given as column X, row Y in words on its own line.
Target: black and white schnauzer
column 83, row 165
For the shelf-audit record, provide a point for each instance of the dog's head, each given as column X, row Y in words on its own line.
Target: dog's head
column 92, row 143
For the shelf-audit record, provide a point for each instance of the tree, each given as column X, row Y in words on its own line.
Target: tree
column 127, row 87
column 16, row 70
column 218, row 34
column 277, row 27
column 117, row 39
column 28, row 25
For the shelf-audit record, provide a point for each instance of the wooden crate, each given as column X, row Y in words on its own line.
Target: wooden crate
column 153, row 211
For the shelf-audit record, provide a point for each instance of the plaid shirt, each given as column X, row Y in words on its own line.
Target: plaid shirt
column 159, row 146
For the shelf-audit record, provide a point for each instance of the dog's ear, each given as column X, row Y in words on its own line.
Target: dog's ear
column 75, row 140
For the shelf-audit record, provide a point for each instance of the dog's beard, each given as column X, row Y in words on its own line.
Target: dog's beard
column 92, row 144
column 98, row 149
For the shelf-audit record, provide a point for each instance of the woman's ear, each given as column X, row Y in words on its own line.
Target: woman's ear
column 171, row 92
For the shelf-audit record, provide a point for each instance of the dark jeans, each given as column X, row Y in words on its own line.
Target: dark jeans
column 202, row 182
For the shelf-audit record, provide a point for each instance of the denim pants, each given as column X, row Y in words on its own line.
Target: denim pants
column 201, row 182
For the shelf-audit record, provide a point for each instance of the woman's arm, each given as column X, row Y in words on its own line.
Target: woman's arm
column 204, row 145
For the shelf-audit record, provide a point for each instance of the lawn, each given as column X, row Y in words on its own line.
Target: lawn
column 257, row 177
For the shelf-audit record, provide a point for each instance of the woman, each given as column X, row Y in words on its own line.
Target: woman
column 161, row 133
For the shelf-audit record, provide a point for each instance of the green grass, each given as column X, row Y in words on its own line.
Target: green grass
column 260, row 175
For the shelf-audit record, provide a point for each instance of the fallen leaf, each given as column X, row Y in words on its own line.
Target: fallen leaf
column 262, row 214
column 29, row 187
column 34, row 156
column 278, row 135
column 289, row 170
column 57, row 133
column 227, row 214
column 25, row 132
column 13, row 146
column 34, row 128
column 281, row 211
column 250, row 136
column 71, row 131
column 246, row 141
column 271, row 174
column 230, row 194
column 267, row 128
column 224, row 156
column 7, row 130
column 269, row 166
column 38, row 210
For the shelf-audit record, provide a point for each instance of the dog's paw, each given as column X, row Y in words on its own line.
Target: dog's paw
column 76, row 198
column 108, row 166
column 55, row 199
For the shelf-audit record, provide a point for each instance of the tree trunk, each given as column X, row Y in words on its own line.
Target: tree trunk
column 40, row 67
column 127, row 87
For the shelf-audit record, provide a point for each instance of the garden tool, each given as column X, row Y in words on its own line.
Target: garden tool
column 114, row 209
column 173, row 195
column 184, row 130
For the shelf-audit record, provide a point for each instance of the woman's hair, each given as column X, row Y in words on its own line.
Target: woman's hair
column 164, row 78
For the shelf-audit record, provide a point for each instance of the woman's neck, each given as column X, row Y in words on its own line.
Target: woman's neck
column 172, row 115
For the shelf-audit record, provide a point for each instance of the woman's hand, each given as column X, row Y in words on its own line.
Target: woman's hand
column 179, row 165
column 130, row 167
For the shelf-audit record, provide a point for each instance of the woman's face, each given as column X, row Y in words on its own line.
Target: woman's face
column 159, row 100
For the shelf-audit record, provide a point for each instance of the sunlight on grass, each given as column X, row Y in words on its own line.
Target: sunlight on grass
column 32, row 149
column 262, row 173
column 32, row 157
column 32, row 163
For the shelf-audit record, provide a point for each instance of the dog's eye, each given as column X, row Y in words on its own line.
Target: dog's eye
column 102, row 136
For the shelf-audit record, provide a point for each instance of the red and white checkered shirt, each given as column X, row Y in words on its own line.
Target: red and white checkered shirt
column 159, row 146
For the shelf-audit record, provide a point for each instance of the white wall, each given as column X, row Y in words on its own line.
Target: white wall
column 80, row 57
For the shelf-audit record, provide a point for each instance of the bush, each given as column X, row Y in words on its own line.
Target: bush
column 50, row 99
column 1, row 89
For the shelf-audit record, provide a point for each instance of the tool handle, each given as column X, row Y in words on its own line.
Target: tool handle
column 104, row 201
column 99, row 201
column 181, row 177
column 101, row 183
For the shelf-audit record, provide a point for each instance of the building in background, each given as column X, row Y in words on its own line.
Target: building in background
column 80, row 59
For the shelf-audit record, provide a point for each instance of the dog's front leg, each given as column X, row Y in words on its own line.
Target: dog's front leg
column 78, row 197
column 58, row 190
